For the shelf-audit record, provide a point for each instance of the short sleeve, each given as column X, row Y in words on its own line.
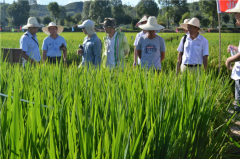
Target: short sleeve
column 205, row 48
column 24, row 43
column 44, row 46
column 162, row 45
column 136, row 40
column 180, row 46
column 139, row 43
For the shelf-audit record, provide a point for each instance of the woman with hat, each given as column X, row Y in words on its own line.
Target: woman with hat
column 29, row 43
column 151, row 47
column 195, row 50
column 54, row 44
column 236, row 58
column 92, row 45
column 143, row 32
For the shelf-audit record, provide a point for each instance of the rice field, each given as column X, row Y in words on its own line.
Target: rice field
column 134, row 113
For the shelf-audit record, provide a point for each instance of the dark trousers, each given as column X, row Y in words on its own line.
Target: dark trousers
column 54, row 60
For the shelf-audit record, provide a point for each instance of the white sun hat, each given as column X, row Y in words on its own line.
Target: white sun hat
column 194, row 22
column 59, row 27
column 236, row 9
column 32, row 22
column 184, row 22
column 151, row 24
column 88, row 25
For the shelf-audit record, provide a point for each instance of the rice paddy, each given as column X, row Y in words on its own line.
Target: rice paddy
column 130, row 113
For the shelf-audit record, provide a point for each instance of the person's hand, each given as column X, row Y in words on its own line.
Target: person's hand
column 228, row 64
column 80, row 52
column 134, row 64
column 62, row 47
column 230, row 47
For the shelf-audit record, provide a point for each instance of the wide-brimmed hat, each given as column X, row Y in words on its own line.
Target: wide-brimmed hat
column 109, row 22
column 32, row 22
column 88, row 25
column 184, row 22
column 144, row 19
column 46, row 31
column 194, row 22
column 151, row 24
column 236, row 9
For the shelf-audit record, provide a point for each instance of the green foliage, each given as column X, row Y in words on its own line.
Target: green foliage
column 118, row 12
column 77, row 17
column 199, row 16
column 46, row 20
column 19, row 12
column 226, row 18
column 85, row 11
column 205, row 22
column 134, row 22
column 63, row 12
column 99, row 10
column 54, row 10
column 147, row 8
column 184, row 16
column 209, row 8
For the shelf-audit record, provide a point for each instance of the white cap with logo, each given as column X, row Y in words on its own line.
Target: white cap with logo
column 88, row 25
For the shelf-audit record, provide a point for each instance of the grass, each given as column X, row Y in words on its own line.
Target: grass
column 95, row 113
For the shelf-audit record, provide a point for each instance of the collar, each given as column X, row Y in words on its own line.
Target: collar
column 113, row 35
column 30, row 35
column 92, row 38
column 52, row 38
column 197, row 38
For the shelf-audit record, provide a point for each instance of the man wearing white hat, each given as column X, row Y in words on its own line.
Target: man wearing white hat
column 54, row 44
column 143, row 32
column 194, row 52
column 151, row 47
column 92, row 45
column 184, row 27
column 29, row 43
column 235, row 58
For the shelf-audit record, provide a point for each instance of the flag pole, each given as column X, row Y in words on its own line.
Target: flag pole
column 219, row 27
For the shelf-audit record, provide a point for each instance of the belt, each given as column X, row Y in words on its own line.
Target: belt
column 54, row 58
column 192, row 65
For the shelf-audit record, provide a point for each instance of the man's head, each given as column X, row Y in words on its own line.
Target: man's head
column 192, row 29
column 109, row 25
column 53, row 30
column 33, row 30
column 87, row 27
column 151, row 33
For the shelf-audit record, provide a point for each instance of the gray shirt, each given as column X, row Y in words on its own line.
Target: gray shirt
column 151, row 51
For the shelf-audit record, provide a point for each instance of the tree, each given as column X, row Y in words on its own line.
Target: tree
column 77, row 17
column 166, row 4
column 176, row 18
column 134, row 22
column 199, row 16
column 127, row 19
column 63, row 12
column 99, row 10
column 226, row 18
column 62, row 22
column 184, row 16
column 46, row 20
column 146, row 7
column 85, row 11
column 19, row 12
column 209, row 7
column 117, row 11
column 205, row 22
column 39, row 20
column 54, row 10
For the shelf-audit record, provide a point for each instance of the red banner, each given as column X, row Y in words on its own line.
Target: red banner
column 224, row 5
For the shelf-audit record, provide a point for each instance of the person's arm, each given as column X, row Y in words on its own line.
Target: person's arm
column 65, row 55
column 205, row 61
column 97, row 49
column 234, row 58
column 139, row 53
column 44, row 56
column 26, row 57
column 162, row 56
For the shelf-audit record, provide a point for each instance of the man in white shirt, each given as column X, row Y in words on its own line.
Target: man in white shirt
column 195, row 50
column 29, row 43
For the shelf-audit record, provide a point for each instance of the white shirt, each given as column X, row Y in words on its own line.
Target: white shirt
column 30, row 44
column 110, row 43
column 194, row 50
column 139, row 35
column 236, row 69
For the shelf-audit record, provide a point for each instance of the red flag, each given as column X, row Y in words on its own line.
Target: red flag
column 176, row 30
column 223, row 5
column 20, row 27
column 209, row 30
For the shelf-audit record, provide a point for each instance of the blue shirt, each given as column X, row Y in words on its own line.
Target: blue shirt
column 29, row 44
column 52, row 46
column 92, row 48
column 151, row 51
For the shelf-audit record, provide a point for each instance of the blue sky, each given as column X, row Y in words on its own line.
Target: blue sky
column 64, row 2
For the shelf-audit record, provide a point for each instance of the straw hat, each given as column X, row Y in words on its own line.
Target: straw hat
column 184, row 22
column 32, row 22
column 151, row 24
column 194, row 22
column 45, row 29
column 236, row 9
